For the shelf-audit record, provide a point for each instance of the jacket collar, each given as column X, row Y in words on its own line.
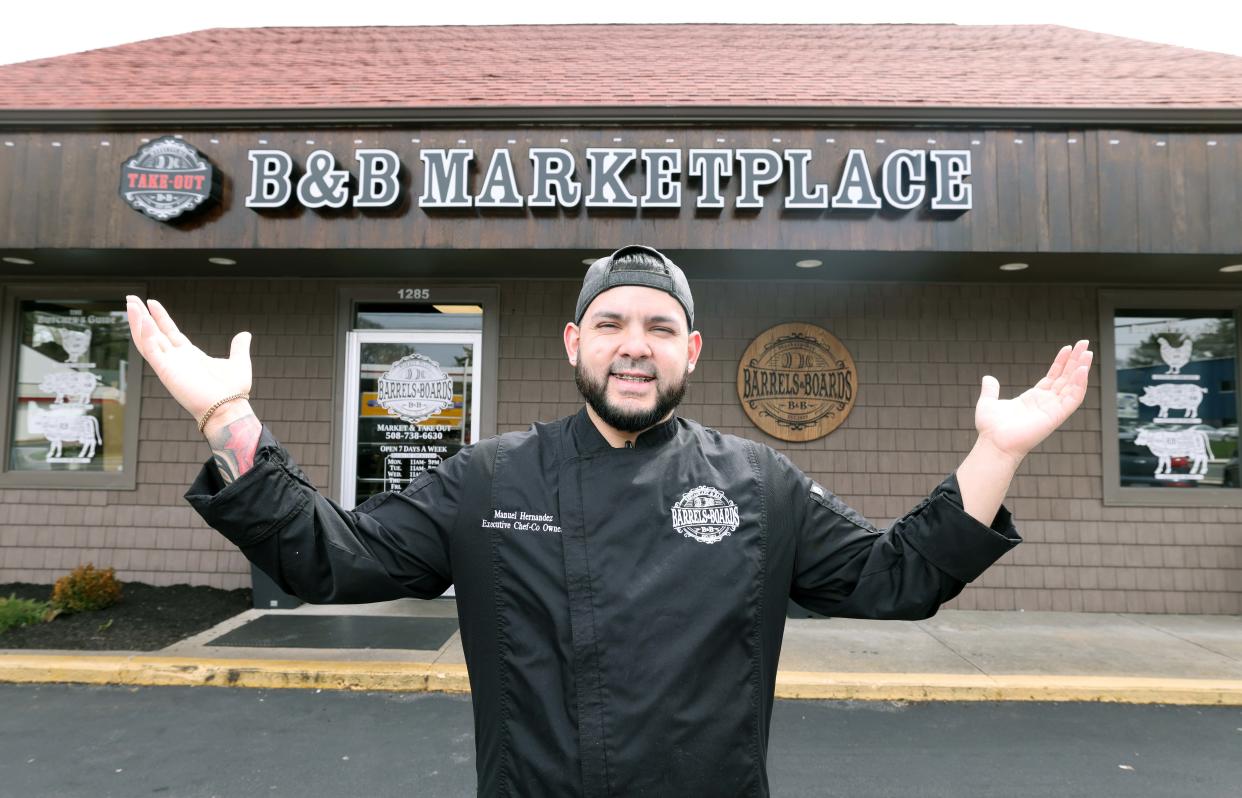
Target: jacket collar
column 587, row 438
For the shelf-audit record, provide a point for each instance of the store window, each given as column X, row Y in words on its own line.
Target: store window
column 1171, row 430
column 71, row 406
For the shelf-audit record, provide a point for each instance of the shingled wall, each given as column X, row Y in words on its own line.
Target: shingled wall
column 920, row 350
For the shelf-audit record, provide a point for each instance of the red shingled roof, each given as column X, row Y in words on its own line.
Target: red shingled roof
column 537, row 66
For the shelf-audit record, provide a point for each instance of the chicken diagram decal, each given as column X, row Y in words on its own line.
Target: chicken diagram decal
column 76, row 343
column 1175, row 357
column 1176, row 393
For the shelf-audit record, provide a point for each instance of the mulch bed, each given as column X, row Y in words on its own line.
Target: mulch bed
column 147, row 618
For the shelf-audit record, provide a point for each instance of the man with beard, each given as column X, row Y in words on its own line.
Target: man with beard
column 632, row 342
column 621, row 574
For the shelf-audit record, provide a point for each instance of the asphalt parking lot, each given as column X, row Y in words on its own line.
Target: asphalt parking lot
column 77, row 740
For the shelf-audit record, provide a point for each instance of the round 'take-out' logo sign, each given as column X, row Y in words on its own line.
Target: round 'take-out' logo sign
column 415, row 388
column 167, row 178
column 797, row 382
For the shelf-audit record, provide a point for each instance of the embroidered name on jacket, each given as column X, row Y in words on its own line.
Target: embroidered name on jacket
column 705, row 514
column 522, row 521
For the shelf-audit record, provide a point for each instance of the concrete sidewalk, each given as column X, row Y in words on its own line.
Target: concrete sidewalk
column 958, row 655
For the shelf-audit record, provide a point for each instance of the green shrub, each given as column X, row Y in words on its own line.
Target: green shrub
column 86, row 588
column 19, row 612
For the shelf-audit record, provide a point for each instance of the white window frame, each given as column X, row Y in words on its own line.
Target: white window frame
column 353, row 378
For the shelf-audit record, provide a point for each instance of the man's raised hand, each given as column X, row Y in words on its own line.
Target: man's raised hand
column 1015, row 426
column 1010, row 428
column 195, row 380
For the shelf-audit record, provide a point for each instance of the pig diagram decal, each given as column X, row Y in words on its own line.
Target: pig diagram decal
column 70, row 387
column 1174, row 397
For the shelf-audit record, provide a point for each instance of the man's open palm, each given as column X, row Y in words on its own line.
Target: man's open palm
column 194, row 379
column 1017, row 425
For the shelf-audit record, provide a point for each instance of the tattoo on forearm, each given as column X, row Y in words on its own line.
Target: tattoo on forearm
column 233, row 447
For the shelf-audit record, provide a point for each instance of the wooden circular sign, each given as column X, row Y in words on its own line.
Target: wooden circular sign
column 797, row 382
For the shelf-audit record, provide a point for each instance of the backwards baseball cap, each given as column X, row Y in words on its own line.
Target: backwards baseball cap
column 656, row 272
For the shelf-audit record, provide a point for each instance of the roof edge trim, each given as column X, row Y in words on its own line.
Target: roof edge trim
column 677, row 115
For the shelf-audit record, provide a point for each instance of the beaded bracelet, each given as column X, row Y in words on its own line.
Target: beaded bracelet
column 202, row 422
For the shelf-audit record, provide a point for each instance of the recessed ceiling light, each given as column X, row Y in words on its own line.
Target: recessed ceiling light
column 589, row 261
column 18, row 261
column 1013, row 267
column 809, row 263
column 1233, row 267
column 222, row 261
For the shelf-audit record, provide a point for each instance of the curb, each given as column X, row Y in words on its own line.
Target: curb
column 421, row 677
column 1008, row 687
column 413, row 677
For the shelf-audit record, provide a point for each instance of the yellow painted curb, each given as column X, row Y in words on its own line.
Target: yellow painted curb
column 1021, row 687
column 450, row 678
column 192, row 671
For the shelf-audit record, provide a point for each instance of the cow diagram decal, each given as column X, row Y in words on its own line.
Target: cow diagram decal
column 67, row 418
column 1192, row 444
column 65, row 424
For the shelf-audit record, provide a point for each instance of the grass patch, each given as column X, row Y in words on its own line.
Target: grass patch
column 20, row 612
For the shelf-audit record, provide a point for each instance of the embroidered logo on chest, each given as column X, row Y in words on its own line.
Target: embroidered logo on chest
column 705, row 514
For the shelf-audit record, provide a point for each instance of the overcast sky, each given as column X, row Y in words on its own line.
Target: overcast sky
column 31, row 30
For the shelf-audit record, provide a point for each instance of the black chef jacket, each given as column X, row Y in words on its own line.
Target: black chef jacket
column 621, row 609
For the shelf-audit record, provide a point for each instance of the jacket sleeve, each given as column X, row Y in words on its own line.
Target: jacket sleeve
column 394, row 545
column 845, row 567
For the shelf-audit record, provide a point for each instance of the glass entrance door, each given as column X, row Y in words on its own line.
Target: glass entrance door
column 411, row 400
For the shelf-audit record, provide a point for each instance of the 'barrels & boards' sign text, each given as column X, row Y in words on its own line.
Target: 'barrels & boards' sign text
column 797, row 382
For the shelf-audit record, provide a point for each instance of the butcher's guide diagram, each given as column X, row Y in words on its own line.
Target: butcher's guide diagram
column 67, row 418
column 1176, row 393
